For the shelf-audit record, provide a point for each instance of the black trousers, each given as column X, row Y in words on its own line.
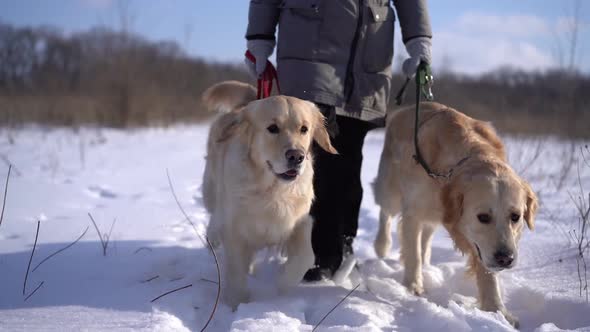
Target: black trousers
column 338, row 189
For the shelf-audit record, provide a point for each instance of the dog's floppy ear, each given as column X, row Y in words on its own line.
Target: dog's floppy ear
column 531, row 205
column 228, row 125
column 452, row 200
column 320, row 133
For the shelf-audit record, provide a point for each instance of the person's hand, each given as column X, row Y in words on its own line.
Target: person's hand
column 261, row 49
column 419, row 49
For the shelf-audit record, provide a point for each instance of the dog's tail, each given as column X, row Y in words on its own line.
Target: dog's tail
column 227, row 96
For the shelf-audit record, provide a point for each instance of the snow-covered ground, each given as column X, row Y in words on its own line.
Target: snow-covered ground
column 60, row 176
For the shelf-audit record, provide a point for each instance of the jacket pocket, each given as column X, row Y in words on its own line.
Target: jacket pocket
column 299, row 28
column 378, row 52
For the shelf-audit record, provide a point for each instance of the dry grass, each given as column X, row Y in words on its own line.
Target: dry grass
column 579, row 235
column 104, row 238
column 5, row 194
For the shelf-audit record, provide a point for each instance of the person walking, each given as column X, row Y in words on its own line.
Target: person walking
column 338, row 54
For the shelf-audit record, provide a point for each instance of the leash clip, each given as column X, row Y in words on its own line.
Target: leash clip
column 426, row 80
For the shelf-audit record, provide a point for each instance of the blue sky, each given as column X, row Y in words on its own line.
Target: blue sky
column 469, row 36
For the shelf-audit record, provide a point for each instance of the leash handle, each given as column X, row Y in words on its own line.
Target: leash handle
column 424, row 78
column 264, row 86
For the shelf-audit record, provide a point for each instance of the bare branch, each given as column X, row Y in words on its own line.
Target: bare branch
column 170, row 292
column 97, row 230
column 103, row 241
column 108, row 236
column 211, row 281
column 62, row 249
column 208, row 245
column 218, row 286
column 34, row 290
column 536, row 155
column 584, row 157
column 10, row 164
column 569, row 158
column 142, row 248
column 31, row 258
column 187, row 218
column 580, row 238
column 5, row 192
column 336, row 306
column 150, row 279
column 574, row 35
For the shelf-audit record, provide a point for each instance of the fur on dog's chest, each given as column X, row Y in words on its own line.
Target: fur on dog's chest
column 272, row 221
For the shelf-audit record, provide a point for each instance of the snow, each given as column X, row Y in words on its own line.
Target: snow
column 61, row 175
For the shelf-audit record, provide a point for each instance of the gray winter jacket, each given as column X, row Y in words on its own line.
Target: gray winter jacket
column 337, row 52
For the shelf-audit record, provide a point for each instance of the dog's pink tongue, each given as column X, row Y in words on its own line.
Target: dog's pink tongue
column 291, row 172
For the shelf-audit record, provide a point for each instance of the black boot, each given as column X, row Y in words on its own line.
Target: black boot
column 347, row 246
column 339, row 192
column 317, row 273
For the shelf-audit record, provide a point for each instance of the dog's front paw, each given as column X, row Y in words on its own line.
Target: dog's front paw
column 234, row 298
column 513, row 320
column 288, row 278
column 414, row 286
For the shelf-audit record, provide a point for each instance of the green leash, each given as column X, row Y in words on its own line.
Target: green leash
column 424, row 81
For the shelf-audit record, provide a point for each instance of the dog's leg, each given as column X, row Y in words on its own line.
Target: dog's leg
column 410, row 240
column 209, row 192
column 237, row 259
column 213, row 230
column 299, row 255
column 427, row 234
column 382, row 242
column 490, row 298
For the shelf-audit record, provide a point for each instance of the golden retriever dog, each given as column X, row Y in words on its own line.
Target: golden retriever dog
column 483, row 205
column 257, row 184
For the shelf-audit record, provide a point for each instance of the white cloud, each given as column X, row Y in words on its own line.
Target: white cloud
column 505, row 25
column 472, row 54
column 478, row 43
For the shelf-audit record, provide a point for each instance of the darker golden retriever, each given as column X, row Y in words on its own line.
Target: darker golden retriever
column 483, row 205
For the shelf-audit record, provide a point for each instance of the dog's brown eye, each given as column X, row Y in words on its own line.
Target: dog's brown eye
column 484, row 218
column 303, row 129
column 515, row 217
column 273, row 129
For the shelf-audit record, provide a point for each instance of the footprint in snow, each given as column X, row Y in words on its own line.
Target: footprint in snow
column 9, row 237
column 101, row 192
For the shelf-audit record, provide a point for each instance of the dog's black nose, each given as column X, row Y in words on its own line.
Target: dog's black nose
column 504, row 258
column 295, row 156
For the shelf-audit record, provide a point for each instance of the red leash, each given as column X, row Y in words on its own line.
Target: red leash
column 265, row 81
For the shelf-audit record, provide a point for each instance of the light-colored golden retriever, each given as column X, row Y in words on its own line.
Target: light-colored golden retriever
column 483, row 205
column 257, row 184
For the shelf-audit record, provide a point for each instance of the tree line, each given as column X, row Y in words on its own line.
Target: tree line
column 102, row 77
column 112, row 78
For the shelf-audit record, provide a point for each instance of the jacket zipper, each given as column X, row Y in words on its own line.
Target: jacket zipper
column 349, row 80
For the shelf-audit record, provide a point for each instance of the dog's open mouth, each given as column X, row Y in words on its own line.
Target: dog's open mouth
column 289, row 175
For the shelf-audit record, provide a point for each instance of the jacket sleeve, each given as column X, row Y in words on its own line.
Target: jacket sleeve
column 263, row 16
column 413, row 18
